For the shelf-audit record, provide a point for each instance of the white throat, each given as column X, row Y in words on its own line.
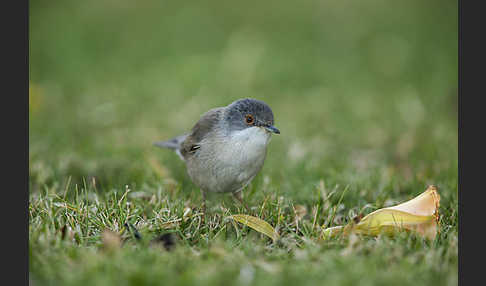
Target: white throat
column 245, row 146
column 252, row 138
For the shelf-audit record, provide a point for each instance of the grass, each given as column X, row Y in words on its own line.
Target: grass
column 365, row 95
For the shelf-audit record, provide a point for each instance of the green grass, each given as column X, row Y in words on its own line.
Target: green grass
column 364, row 93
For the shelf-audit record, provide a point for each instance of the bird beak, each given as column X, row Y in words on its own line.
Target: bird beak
column 272, row 129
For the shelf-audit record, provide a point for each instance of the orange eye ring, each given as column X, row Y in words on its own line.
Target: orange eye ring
column 249, row 119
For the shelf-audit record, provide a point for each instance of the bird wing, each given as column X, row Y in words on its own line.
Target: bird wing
column 203, row 127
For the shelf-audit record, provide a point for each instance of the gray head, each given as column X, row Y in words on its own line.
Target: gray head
column 247, row 113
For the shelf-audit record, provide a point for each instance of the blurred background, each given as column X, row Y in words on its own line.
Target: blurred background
column 364, row 92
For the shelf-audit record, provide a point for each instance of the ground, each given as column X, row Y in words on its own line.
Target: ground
column 365, row 97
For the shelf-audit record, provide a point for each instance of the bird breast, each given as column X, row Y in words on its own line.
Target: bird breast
column 246, row 146
column 229, row 163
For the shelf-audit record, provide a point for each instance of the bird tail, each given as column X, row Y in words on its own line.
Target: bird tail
column 173, row 144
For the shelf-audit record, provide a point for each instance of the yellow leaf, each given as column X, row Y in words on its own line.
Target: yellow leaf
column 419, row 215
column 257, row 224
column 425, row 204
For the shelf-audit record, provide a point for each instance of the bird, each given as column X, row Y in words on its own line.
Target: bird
column 226, row 148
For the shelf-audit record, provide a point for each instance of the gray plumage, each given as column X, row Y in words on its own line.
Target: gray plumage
column 174, row 144
column 227, row 147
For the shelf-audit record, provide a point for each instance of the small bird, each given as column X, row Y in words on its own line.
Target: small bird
column 227, row 147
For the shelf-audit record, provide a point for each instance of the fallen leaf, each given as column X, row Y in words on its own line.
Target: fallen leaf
column 111, row 240
column 419, row 215
column 257, row 224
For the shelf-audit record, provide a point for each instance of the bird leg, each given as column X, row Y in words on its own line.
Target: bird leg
column 239, row 196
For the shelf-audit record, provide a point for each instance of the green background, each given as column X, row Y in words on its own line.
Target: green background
column 363, row 92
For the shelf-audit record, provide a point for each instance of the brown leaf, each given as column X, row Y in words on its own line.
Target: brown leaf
column 111, row 240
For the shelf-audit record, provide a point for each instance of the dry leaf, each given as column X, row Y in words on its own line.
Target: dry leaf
column 419, row 215
column 257, row 224
column 111, row 240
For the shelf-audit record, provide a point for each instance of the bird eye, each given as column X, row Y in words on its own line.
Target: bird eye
column 249, row 119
